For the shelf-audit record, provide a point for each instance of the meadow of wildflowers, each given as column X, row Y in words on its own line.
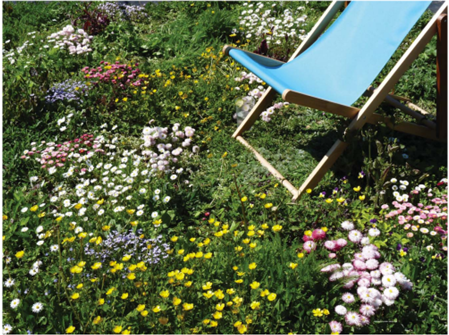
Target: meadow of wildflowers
column 127, row 207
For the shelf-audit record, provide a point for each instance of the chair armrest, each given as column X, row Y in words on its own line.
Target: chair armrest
column 256, row 57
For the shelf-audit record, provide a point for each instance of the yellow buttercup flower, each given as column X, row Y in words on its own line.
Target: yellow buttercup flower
column 100, row 202
column 244, row 199
column 70, row 330
column 75, row 296
column 219, row 294
column 362, row 197
column 110, row 291
column 207, row 286
column 34, row 208
column 156, row 309
column 188, row 284
column 131, row 276
column 79, row 286
column 300, row 255
column 96, row 266
column 264, row 293
column 140, row 308
column 217, row 315
column 326, row 312
column 252, row 266
column 97, row 320
column 219, row 307
column 125, row 296
column 101, row 301
column 134, row 223
column 176, row 301
column 269, row 205
column 242, row 329
column 340, row 200
column 277, row 228
column 253, row 245
column 230, row 291
column 208, row 255
column 272, row 296
column 164, row 294
column 144, row 313
column 265, row 226
column 309, row 190
column 20, row 254
column 293, row 265
column 117, row 329
column 126, row 258
column 78, row 206
column 357, row 189
column 187, row 307
column 209, row 294
column 263, row 196
column 255, row 305
column 317, row 312
column 254, row 285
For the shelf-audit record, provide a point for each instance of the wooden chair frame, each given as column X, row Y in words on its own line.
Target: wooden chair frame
column 427, row 129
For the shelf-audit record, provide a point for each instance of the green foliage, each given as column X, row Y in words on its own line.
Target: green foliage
column 223, row 204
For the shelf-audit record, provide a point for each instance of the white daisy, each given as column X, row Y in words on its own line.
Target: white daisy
column 347, row 225
column 37, row 307
column 7, row 328
column 166, row 199
column 139, row 213
column 24, row 229
column 157, row 191
column 15, row 303
column 54, row 248
column 9, row 282
column 156, row 198
column 40, row 242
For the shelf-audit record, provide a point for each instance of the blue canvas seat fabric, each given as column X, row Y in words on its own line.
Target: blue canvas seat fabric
column 345, row 60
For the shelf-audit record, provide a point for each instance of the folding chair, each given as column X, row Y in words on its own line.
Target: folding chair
column 330, row 72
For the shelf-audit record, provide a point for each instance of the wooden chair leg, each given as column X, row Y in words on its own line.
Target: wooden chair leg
column 442, row 76
column 323, row 166
column 261, row 105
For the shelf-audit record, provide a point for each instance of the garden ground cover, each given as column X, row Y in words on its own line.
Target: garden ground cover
column 128, row 208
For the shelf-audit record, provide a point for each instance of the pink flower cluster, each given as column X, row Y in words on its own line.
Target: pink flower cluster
column 412, row 216
column 363, row 272
column 56, row 155
column 122, row 75
column 310, row 241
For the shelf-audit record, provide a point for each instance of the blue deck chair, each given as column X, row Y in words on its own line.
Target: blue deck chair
column 331, row 70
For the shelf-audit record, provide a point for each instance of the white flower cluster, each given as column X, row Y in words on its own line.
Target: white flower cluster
column 77, row 42
column 258, row 92
column 165, row 142
column 257, row 23
column 9, row 54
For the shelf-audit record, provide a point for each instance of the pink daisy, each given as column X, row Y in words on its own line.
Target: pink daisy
column 355, row 236
column 353, row 319
column 348, row 298
column 336, row 326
